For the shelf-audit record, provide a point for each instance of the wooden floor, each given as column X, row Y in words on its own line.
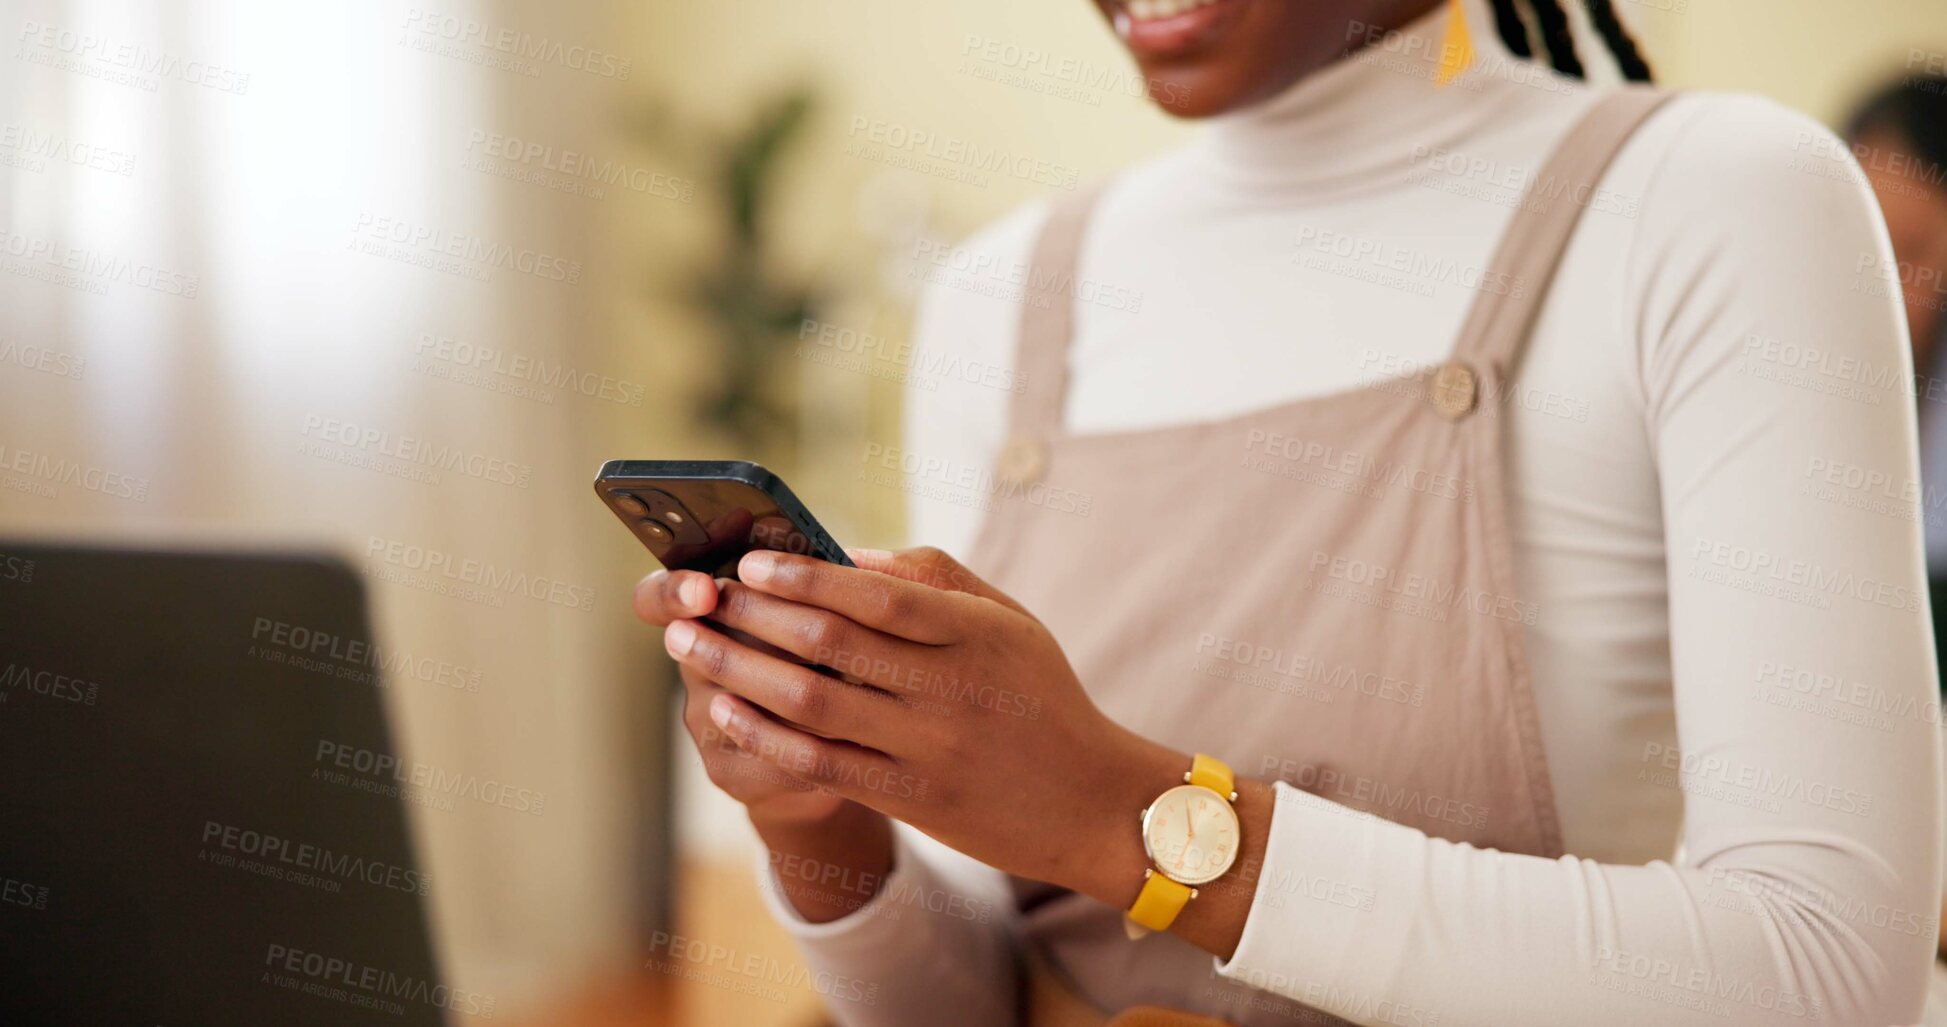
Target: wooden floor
column 733, row 968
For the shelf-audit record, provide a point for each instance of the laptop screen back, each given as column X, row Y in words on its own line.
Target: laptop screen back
column 201, row 815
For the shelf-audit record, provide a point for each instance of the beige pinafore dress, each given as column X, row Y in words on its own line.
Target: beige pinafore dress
column 1320, row 593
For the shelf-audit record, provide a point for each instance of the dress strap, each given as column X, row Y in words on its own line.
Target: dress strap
column 1048, row 317
column 1497, row 327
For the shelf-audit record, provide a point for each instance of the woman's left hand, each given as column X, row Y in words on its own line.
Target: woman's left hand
column 958, row 713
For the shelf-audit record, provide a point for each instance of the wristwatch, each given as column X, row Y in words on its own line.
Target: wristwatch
column 1190, row 833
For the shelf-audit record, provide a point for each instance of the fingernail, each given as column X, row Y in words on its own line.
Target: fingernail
column 693, row 593
column 869, row 555
column 678, row 638
column 756, row 567
column 720, row 712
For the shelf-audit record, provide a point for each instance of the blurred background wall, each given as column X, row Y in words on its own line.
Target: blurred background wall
column 261, row 270
column 267, row 243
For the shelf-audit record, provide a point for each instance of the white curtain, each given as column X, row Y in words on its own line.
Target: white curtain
column 255, row 255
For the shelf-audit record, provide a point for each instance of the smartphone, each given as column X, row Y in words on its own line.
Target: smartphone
column 704, row 515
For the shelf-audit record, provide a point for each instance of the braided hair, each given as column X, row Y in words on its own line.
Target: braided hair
column 1514, row 31
column 1603, row 14
column 1560, row 41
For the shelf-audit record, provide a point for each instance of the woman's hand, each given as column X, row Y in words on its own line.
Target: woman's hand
column 663, row 597
column 796, row 820
column 958, row 712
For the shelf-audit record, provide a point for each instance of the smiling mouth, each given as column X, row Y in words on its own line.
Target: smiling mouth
column 1163, row 28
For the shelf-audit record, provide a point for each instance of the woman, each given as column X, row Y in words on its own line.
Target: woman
column 1494, row 485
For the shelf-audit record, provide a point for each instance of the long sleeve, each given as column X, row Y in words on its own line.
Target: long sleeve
column 1762, row 303
column 931, row 947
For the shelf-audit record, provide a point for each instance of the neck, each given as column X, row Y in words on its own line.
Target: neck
column 1371, row 111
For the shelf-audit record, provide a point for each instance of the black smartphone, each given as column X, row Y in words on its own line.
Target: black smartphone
column 704, row 515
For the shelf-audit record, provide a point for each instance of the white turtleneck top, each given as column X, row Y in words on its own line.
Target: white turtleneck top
column 1713, row 502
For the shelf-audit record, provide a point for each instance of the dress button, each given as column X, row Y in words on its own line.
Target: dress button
column 1022, row 460
column 1456, row 388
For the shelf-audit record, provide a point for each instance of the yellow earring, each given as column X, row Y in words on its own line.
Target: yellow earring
column 1457, row 50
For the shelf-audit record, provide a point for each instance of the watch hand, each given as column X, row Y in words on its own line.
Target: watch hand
column 1191, row 824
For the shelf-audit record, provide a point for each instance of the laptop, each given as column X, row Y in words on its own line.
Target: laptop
column 202, row 819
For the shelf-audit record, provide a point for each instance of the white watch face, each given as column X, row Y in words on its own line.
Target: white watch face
column 1190, row 832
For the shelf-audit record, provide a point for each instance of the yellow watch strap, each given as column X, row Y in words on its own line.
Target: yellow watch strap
column 1214, row 774
column 1159, row 903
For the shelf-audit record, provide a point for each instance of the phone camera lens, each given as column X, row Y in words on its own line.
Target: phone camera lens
column 656, row 530
column 630, row 505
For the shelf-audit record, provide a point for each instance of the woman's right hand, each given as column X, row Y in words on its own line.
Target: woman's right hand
column 806, row 830
column 770, row 794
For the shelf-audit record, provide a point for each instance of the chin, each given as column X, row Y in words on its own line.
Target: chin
column 1205, row 57
column 1181, row 96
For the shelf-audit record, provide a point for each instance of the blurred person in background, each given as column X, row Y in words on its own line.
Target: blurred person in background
column 1419, row 517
